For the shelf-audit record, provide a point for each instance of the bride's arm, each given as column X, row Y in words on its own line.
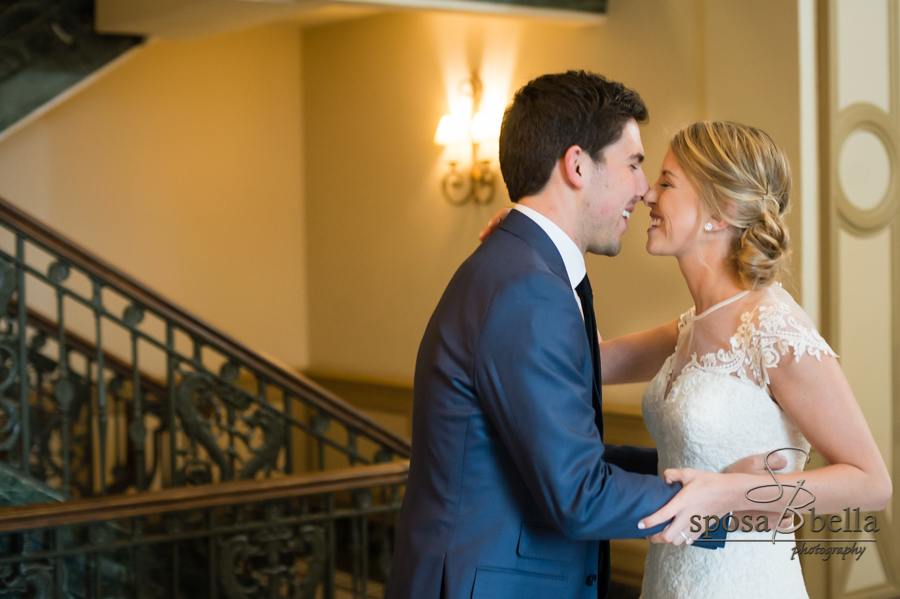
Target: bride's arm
column 493, row 223
column 637, row 357
column 817, row 397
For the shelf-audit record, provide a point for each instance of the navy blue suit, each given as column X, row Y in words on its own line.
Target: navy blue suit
column 510, row 485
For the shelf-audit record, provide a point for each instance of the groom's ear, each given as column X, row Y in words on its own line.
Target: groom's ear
column 574, row 166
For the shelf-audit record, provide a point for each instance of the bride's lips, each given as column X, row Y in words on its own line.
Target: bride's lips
column 655, row 221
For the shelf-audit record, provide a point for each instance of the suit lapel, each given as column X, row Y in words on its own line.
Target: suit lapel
column 523, row 227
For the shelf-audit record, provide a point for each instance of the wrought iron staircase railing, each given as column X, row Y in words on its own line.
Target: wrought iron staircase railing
column 109, row 393
column 242, row 539
column 228, row 410
column 44, row 413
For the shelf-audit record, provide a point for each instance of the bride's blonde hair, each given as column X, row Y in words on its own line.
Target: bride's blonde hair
column 744, row 178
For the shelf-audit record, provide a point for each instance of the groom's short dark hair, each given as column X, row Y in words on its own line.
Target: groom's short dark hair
column 555, row 112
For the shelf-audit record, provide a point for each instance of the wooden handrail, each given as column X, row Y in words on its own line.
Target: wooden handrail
column 268, row 367
column 96, row 509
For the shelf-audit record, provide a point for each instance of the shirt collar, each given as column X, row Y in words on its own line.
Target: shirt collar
column 572, row 257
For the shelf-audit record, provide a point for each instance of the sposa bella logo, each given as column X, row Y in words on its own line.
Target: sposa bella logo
column 798, row 499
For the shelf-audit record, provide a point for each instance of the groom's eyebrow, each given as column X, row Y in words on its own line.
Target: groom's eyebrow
column 638, row 157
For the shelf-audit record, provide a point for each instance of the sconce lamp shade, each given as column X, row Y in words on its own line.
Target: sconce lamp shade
column 469, row 131
column 452, row 129
column 486, row 127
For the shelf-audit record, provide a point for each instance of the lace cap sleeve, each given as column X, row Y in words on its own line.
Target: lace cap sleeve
column 786, row 330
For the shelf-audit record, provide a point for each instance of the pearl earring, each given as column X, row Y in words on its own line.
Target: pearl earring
column 708, row 227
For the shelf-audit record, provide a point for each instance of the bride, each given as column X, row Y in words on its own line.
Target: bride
column 749, row 374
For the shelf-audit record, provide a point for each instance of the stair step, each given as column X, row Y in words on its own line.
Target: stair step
column 19, row 489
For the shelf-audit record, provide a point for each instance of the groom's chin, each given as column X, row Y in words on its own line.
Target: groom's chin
column 608, row 249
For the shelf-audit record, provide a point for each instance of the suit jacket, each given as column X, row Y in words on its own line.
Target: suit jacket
column 510, row 485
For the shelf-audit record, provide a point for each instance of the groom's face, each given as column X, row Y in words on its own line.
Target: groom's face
column 616, row 184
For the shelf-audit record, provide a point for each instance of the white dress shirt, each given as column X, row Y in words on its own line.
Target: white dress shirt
column 572, row 257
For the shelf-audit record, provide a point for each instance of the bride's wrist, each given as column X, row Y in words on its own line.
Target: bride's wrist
column 737, row 488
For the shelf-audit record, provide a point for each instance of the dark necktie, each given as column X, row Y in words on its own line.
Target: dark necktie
column 590, row 327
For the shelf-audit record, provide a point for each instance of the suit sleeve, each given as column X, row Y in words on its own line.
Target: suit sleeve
column 530, row 381
column 642, row 460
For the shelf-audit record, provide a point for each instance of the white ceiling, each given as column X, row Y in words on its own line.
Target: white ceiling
column 180, row 19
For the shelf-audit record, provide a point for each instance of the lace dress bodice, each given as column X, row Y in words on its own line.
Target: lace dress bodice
column 709, row 406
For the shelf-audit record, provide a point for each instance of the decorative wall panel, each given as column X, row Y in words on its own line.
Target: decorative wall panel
column 859, row 113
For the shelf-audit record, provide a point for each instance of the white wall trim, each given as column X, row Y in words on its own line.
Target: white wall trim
column 489, row 8
column 809, row 160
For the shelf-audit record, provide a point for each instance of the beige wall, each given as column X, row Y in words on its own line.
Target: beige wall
column 383, row 241
column 183, row 167
column 752, row 60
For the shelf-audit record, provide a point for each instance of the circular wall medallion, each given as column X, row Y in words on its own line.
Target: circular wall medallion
column 866, row 187
column 865, row 169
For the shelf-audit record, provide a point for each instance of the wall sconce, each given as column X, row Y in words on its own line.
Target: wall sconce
column 470, row 127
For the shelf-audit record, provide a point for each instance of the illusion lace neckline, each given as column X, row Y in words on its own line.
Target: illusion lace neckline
column 721, row 304
column 766, row 331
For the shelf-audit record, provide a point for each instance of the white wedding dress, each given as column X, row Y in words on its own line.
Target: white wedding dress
column 710, row 406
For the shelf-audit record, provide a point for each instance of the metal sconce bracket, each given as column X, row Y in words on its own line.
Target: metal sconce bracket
column 481, row 181
column 481, row 184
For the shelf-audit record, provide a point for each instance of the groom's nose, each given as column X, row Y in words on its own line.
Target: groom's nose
column 642, row 186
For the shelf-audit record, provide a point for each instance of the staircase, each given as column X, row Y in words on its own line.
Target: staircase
column 46, row 47
column 143, row 453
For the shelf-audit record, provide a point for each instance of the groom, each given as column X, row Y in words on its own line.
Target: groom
column 510, row 485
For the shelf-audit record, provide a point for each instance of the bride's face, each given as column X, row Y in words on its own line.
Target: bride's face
column 675, row 214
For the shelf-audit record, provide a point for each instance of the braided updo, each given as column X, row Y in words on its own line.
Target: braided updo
column 743, row 178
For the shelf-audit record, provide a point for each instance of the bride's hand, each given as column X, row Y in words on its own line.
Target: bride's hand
column 704, row 494
column 493, row 223
column 756, row 464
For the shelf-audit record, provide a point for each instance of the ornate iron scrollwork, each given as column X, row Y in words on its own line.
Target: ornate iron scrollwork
column 266, row 564
column 266, row 455
column 60, row 401
column 30, row 579
column 227, row 422
column 9, row 424
column 9, row 364
column 197, row 428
